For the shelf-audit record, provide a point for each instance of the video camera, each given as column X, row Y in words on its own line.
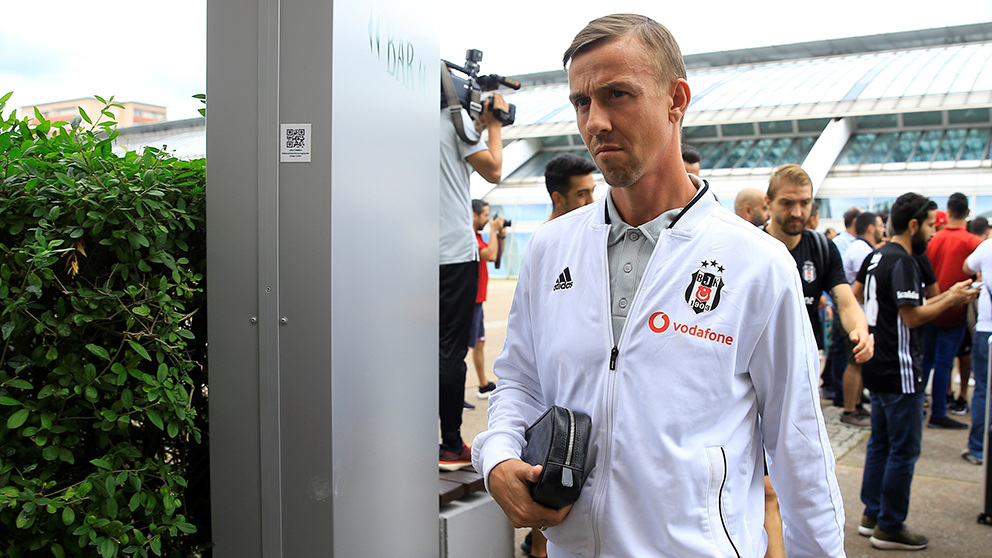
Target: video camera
column 469, row 89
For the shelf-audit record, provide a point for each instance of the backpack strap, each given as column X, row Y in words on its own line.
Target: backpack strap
column 454, row 105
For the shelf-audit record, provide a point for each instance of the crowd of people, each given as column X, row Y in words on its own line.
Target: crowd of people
column 646, row 310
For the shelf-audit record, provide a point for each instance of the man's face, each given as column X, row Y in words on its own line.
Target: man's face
column 626, row 120
column 759, row 212
column 791, row 207
column 481, row 218
column 579, row 192
column 879, row 231
column 922, row 237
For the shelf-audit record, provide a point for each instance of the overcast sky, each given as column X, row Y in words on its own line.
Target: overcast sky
column 155, row 52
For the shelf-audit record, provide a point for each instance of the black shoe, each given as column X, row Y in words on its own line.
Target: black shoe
column 903, row 540
column 485, row 391
column 862, row 412
column 467, row 405
column 946, row 422
column 958, row 407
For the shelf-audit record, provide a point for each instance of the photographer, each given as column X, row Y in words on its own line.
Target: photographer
column 459, row 257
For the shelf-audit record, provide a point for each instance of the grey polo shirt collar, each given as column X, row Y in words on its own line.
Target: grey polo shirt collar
column 628, row 251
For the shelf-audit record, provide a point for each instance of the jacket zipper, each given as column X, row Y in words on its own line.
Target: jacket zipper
column 719, row 500
column 566, row 472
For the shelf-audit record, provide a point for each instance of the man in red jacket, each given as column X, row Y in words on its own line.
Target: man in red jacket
column 942, row 337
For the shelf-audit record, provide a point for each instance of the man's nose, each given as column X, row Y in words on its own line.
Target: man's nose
column 597, row 121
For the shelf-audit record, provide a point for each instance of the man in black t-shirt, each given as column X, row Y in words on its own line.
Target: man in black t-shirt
column 790, row 197
column 890, row 283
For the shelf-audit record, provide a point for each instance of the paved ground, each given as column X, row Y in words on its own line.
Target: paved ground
column 946, row 498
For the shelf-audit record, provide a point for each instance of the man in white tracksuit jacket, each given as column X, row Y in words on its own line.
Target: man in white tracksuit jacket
column 713, row 363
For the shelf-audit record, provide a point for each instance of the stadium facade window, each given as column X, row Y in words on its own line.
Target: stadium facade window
column 904, row 147
column 976, row 144
column 775, row 127
column 797, row 153
column 775, row 152
column 927, row 146
column 880, row 149
column 932, row 118
column 755, row 154
column 877, row 121
column 735, row 154
column 694, row 132
column 813, row 125
column 968, row 116
column 555, row 141
column 743, row 129
column 857, row 148
column 834, row 208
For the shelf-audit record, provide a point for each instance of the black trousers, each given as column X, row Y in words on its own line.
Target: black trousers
column 458, row 286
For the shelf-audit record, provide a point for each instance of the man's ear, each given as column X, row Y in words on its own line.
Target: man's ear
column 680, row 100
column 557, row 199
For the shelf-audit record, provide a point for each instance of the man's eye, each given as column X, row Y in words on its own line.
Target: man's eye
column 581, row 103
column 617, row 93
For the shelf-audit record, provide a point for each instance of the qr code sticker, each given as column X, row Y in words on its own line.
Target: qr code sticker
column 295, row 138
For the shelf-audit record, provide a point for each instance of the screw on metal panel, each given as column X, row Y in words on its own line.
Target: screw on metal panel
column 283, row 321
column 268, row 289
column 254, row 319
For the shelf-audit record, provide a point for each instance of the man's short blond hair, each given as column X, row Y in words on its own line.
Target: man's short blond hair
column 787, row 174
column 660, row 43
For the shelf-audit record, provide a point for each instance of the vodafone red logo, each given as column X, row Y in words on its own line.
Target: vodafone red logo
column 659, row 322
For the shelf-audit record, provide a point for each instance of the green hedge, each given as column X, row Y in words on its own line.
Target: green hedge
column 102, row 379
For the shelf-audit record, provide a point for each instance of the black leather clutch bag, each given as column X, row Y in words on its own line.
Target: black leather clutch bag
column 559, row 441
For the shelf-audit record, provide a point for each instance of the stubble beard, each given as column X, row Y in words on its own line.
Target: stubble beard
column 919, row 243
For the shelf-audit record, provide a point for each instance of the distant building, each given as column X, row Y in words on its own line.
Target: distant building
column 132, row 113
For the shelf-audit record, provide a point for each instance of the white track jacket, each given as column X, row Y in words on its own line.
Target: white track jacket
column 716, row 361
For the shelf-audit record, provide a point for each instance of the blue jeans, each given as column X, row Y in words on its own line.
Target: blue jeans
column 893, row 448
column 979, row 371
column 940, row 346
column 837, row 361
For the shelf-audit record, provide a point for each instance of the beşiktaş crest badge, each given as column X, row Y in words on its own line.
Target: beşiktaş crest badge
column 703, row 293
column 809, row 271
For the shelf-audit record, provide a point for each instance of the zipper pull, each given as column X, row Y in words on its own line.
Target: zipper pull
column 613, row 357
column 566, row 477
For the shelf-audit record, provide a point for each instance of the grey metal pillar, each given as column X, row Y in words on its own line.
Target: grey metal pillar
column 322, row 320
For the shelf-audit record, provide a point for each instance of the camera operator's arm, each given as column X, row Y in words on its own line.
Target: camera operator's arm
column 496, row 236
column 489, row 163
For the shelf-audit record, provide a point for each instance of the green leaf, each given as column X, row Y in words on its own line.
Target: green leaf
column 51, row 453
column 127, row 398
column 85, row 116
column 135, row 501
column 111, row 506
column 57, row 551
column 68, row 516
column 156, row 545
column 109, row 547
column 185, row 527
column 163, row 372
column 173, row 429
column 139, row 349
column 7, row 329
column 52, row 353
column 101, row 463
column 20, row 384
column 154, row 417
column 18, row 418
column 98, row 351
column 9, row 402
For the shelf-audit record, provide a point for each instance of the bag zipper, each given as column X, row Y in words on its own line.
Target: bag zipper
column 566, row 472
